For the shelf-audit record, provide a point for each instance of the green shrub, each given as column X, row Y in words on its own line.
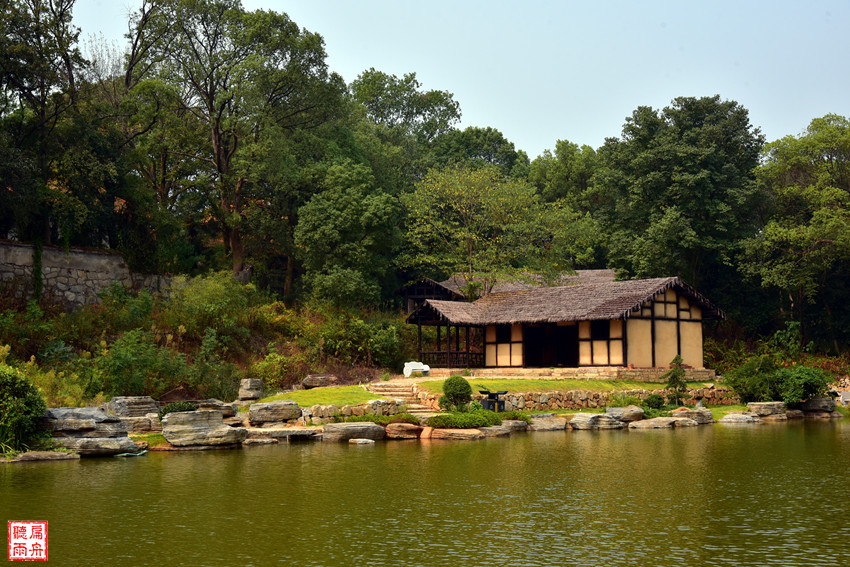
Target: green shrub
column 761, row 380
column 799, row 383
column 754, row 381
column 21, row 408
column 653, row 401
column 134, row 366
column 381, row 419
column 514, row 414
column 621, row 400
column 467, row 420
column 457, row 391
column 174, row 407
column 210, row 374
column 216, row 302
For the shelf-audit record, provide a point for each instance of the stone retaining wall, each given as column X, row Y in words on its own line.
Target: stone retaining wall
column 586, row 399
column 73, row 277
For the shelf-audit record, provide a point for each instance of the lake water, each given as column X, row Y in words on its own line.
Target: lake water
column 714, row 495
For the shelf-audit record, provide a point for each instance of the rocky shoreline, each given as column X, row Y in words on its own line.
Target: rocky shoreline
column 108, row 430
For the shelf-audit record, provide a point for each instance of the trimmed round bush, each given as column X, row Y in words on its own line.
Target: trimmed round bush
column 21, row 408
column 457, row 390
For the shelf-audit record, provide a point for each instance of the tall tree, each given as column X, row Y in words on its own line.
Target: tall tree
column 238, row 72
column 39, row 63
column 565, row 173
column 482, row 146
column 476, row 223
column 677, row 191
column 804, row 249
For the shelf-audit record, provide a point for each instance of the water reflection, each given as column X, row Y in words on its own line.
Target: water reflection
column 713, row 495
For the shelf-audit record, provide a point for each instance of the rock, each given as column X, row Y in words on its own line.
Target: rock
column 766, row 408
column 227, row 410
column 736, row 418
column 260, row 441
column 273, row 412
column 132, row 406
column 46, row 456
column 654, row 423
column 138, row 424
column 403, row 431
column 251, row 389
column 819, row 404
column 156, row 425
column 426, row 432
column 684, row 422
column 457, row 434
column 201, row 427
column 515, row 424
column 547, row 422
column 88, row 431
column 775, row 417
column 700, row 415
column 794, row 414
column 626, row 414
column 288, row 434
column 319, row 381
column 594, row 421
column 342, row 432
column 361, row 441
column 495, row 431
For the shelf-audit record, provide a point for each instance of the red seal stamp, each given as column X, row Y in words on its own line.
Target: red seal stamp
column 27, row 541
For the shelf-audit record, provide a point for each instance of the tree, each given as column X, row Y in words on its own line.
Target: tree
column 804, row 248
column 677, row 191
column 479, row 146
column 237, row 73
column 475, row 223
column 566, row 173
column 347, row 235
column 39, row 63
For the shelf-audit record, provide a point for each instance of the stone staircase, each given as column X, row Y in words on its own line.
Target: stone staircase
column 401, row 391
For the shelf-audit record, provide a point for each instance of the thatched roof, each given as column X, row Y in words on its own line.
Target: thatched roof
column 583, row 302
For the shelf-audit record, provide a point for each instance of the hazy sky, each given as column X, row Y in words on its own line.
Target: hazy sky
column 541, row 71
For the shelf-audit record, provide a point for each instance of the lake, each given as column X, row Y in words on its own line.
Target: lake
column 763, row 495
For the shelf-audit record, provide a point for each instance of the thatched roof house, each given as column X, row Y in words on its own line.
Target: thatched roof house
column 594, row 321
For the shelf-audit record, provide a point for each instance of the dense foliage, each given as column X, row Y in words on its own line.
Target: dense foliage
column 219, row 140
column 21, row 409
column 465, row 420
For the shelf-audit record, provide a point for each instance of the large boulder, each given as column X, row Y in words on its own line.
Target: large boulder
column 319, row 381
column 273, row 412
column 88, row 431
column 740, row 418
column 227, row 410
column 251, row 389
column 342, row 432
column 200, row 428
column 495, row 431
column 547, row 422
column 626, row 414
column 457, row 434
column 403, row 431
column 515, row 424
column 762, row 409
column 287, row 434
column 654, row 423
column 132, row 406
column 819, row 404
column 700, row 415
column 595, row 421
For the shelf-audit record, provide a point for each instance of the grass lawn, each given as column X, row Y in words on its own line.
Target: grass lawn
column 337, row 395
column 153, row 439
column 719, row 411
column 436, row 386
